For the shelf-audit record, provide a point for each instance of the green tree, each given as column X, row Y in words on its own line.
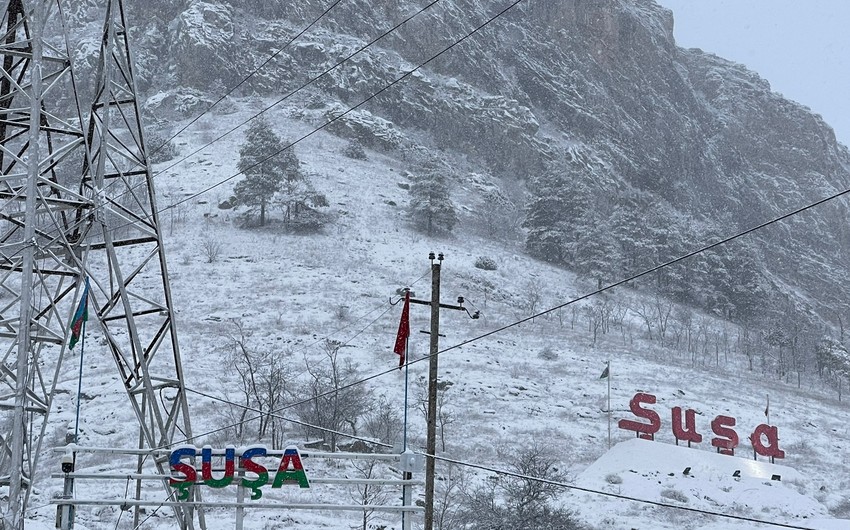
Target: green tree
column 431, row 208
column 833, row 362
column 559, row 211
column 267, row 167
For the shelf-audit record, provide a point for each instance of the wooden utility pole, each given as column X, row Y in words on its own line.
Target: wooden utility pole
column 431, row 434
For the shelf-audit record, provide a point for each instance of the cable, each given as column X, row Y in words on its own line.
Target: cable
column 78, row 223
column 298, row 422
column 616, row 495
column 513, row 474
column 355, row 107
column 578, row 299
column 143, row 521
column 121, row 509
column 249, row 76
column 292, row 93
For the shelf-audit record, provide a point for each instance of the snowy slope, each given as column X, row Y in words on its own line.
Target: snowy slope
column 288, row 291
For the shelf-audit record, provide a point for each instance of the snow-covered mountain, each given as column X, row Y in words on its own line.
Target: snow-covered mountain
column 698, row 147
column 679, row 148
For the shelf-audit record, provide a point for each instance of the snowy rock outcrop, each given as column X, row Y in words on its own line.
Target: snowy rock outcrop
column 696, row 146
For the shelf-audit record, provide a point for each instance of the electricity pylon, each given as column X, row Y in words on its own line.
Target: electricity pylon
column 59, row 225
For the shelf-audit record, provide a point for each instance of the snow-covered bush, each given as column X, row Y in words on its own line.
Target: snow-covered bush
column 486, row 263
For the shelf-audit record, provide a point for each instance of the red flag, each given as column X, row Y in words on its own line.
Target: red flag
column 403, row 331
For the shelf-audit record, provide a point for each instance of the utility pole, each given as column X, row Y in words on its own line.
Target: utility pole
column 431, row 434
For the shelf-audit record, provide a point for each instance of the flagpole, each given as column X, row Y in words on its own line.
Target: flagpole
column 608, row 368
column 406, row 370
column 80, row 382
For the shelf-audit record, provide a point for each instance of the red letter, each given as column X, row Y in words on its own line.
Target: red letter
column 721, row 427
column 772, row 449
column 688, row 432
column 644, row 430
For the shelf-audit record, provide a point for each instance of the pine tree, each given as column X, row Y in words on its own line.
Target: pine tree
column 557, row 214
column 266, row 166
column 431, row 208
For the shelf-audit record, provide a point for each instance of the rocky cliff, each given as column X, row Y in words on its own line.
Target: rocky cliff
column 687, row 146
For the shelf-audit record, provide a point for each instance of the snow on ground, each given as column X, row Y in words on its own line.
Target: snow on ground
column 702, row 480
column 536, row 383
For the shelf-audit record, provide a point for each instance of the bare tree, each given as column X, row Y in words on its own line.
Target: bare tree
column 646, row 313
column 368, row 494
column 383, row 422
column 532, row 296
column 519, row 503
column 264, row 384
column 446, row 493
column 663, row 309
column 336, row 401
column 444, row 415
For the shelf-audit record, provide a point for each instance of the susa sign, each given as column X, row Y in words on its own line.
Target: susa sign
column 765, row 438
column 290, row 470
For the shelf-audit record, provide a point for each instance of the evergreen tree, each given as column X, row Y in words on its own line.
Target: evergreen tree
column 557, row 214
column 266, row 166
column 431, row 208
column 597, row 255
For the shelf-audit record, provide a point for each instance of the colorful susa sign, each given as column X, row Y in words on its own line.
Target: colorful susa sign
column 254, row 475
column 764, row 438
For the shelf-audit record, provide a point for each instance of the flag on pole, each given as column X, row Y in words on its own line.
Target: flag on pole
column 604, row 373
column 80, row 316
column 767, row 408
column 403, row 331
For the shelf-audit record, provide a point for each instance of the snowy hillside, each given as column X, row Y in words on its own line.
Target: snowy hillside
column 535, row 384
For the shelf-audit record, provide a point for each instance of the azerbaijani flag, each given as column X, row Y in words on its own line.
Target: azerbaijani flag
column 403, row 331
column 80, row 316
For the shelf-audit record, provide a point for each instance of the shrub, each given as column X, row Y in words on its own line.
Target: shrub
column 675, row 495
column 212, row 249
column 160, row 148
column 548, row 354
column 354, row 151
column 613, row 478
column 486, row 263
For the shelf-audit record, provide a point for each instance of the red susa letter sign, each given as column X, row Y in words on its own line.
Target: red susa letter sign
column 765, row 438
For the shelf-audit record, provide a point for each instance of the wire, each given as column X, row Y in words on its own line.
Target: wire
column 615, row 495
column 297, row 90
column 510, row 473
column 297, row 422
column 574, row 300
column 249, row 76
column 143, row 521
column 331, row 334
column 355, row 107
column 79, row 222
column 121, row 509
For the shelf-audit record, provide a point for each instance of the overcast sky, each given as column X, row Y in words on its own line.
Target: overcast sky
column 800, row 46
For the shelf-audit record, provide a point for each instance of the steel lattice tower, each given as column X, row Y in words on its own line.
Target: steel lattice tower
column 59, row 225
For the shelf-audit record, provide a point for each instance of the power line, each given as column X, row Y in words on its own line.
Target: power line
column 278, row 416
column 80, row 222
column 249, row 76
column 616, row 495
column 292, row 93
column 513, row 474
column 580, row 298
column 355, row 107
